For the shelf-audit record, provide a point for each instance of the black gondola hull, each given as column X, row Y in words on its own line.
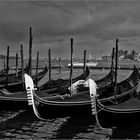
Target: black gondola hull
column 79, row 103
column 16, row 98
column 6, row 105
column 120, row 114
column 58, row 110
column 110, row 119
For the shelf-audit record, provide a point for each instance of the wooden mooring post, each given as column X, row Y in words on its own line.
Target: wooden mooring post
column 22, row 65
column 16, row 64
column 7, row 66
column 30, row 52
column 59, row 64
column 4, row 65
column 71, row 67
column 84, row 64
column 37, row 62
column 49, row 55
column 116, row 68
column 112, row 64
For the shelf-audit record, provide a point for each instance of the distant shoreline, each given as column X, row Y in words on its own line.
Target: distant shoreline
column 102, row 64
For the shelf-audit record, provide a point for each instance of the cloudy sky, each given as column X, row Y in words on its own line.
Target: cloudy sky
column 94, row 26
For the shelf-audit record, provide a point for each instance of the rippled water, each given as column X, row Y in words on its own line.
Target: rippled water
column 22, row 124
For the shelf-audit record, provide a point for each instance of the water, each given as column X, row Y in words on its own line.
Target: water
column 22, row 124
column 26, row 126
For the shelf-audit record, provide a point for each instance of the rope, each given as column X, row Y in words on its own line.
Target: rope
column 96, row 116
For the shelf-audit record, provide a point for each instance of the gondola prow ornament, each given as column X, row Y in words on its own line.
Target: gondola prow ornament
column 93, row 95
column 29, row 85
column 92, row 90
column 30, row 91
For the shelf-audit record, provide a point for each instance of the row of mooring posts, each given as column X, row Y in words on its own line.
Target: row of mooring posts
column 37, row 61
column 71, row 62
column 6, row 64
column 6, row 61
column 50, row 65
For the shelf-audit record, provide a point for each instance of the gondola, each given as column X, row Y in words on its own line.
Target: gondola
column 17, row 85
column 54, row 84
column 119, row 113
column 3, row 73
column 69, row 104
column 106, row 95
column 101, row 83
column 14, row 100
column 60, row 85
column 107, row 80
column 12, row 77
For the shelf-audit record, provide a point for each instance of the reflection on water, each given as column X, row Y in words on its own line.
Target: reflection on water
column 22, row 124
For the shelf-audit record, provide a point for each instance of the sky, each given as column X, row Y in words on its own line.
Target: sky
column 94, row 26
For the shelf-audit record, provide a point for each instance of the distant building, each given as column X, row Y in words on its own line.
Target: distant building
column 105, row 57
column 125, row 54
column 137, row 57
column 133, row 53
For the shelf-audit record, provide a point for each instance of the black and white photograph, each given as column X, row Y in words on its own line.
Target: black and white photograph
column 69, row 69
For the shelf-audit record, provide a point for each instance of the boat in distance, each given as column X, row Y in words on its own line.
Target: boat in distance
column 81, row 64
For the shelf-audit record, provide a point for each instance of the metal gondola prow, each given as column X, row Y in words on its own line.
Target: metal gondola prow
column 30, row 94
column 92, row 91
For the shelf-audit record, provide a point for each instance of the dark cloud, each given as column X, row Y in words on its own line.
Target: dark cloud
column 92, row 24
